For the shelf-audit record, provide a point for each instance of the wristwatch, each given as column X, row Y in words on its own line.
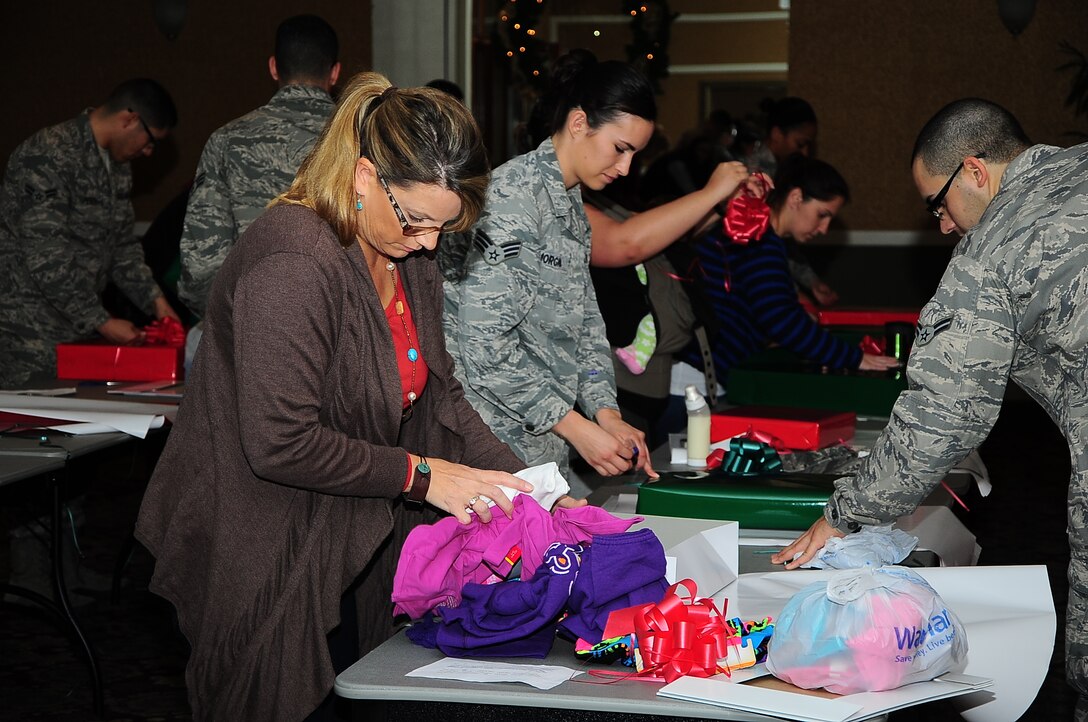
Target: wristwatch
column 421, row 481
column 835, row 518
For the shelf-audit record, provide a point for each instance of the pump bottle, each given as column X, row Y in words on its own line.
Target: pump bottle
column 698, row 427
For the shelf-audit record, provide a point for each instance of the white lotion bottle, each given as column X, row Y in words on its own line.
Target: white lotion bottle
column 698, row 427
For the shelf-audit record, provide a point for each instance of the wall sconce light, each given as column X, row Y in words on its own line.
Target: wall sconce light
column 1016, row 14
column 169, row 16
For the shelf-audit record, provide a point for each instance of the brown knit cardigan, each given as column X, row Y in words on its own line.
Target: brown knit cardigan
column 283, row 473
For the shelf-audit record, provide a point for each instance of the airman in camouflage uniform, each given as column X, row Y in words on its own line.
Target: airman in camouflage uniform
column 66, row 228
column 254, row 158
column 523, row 324
column 1013, row 304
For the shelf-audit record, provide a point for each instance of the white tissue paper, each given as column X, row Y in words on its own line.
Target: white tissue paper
column 872, row 546
column 548, row 484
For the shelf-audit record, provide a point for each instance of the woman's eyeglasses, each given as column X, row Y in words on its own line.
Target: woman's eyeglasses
column 405, row 227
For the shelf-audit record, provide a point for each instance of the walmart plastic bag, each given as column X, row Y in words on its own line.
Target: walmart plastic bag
column 866, row 630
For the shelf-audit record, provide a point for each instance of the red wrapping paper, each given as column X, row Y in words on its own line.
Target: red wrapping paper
column 791, row 428
column 865, row 316
column 161, row 357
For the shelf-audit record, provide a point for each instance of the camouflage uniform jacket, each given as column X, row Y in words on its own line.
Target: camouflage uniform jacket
column 1013, row 304
column 245, row 164
column 523, row 324
column 66, row 228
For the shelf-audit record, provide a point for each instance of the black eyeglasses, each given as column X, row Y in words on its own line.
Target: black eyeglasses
column 405, row 227
column 151, row 139
column 934, row 206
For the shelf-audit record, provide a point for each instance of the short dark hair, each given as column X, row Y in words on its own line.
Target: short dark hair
column 788, row 113
column 448, row 87
column 147, row 98
column 306, row 48
column 967, row 127
column 602, row 90
column 815, row 178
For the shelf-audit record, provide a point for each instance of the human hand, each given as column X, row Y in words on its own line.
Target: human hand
column 725, row 180
column 631, row 438
column 568, row 502
column 121, row 332
column 758, row 184
column 876, row 362
column 808, row 544
column 824, row 294
column 456, row 488
column 163, row 309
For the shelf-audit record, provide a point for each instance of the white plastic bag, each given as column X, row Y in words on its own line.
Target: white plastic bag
column 866, row 630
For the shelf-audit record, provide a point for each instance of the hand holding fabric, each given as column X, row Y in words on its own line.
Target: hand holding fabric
column 456, row 488
column 806, row 546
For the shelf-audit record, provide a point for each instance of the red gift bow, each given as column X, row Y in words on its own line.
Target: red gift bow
column 165, row 332
column 747, row 214
column 681, row 636
column 872, row 345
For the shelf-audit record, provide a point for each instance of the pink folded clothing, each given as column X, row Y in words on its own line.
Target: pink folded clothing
column 438, row 560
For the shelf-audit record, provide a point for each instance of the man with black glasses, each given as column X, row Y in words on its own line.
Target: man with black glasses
column 66, row 228
column 1013, row 305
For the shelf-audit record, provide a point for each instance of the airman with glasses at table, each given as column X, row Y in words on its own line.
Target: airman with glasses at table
column 66, row 227
column 1012, row 307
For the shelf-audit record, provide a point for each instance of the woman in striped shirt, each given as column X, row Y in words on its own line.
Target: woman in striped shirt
column 749, row 285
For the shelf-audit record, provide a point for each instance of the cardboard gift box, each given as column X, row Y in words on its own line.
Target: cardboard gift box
column 779, row 378
column 103, row 361
column 846, row 316
column 778, row 501
column 795, row 428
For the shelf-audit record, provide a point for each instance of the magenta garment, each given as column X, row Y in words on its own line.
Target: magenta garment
column 438, row 560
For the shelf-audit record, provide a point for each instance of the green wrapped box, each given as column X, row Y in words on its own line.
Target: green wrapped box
column 779, row 378
column 780, row 501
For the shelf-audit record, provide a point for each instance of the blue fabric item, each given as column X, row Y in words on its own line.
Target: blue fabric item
column 618, row 570
column 512, row 619
column 424, row 632
column 760, row 306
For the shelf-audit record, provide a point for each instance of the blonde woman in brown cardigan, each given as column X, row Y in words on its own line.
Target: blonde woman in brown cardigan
column 321, row 404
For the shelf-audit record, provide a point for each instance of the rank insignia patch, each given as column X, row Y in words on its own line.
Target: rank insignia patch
column 926, row 333
column 495, row 253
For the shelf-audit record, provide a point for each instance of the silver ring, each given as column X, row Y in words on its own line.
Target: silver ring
column 473, row 500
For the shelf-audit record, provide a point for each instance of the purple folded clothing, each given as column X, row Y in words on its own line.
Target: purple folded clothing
column 511, row 619
column 618, row 570
column 438, row 560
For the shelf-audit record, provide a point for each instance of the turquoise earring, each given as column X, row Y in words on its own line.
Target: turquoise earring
column 358, row 202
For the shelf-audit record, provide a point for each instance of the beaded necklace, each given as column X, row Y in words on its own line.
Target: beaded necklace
column 413, row 354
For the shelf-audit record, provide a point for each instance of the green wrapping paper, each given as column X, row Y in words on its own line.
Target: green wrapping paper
column 776, row 501
column 779, row 378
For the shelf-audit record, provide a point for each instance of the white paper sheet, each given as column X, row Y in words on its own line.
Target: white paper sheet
column 541, row 676
column 722, row 692
column 128, row 416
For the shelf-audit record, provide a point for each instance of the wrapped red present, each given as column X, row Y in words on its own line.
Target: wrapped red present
column 161, row 357
column 784, row 426
column 847, row 316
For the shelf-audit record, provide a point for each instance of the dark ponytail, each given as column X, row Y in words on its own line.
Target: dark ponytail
column 815, row 178
column 602, row 90
column 788, row 113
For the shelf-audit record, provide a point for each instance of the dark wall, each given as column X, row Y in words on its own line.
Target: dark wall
column 876, row 70
column 61, row 56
